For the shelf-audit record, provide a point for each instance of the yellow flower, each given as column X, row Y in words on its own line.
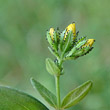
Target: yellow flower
column 89, row 43
column 72, row 28
column 51, row 33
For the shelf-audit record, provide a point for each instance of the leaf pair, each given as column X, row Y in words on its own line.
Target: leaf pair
column 71, row 99
column 11, row 99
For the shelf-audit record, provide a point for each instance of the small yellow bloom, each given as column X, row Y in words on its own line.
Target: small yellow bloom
column 89, row 43
column 51, row 33
column 72, row 28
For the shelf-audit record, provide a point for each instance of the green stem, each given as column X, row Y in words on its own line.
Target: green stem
column 61, row 60
column 57, row 78
column 58, row 91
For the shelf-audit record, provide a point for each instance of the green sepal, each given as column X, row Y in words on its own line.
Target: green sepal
column 58, row 36
column 53, row 42
column 75, row 50
column 49, row 39
column 12, row 99
column 86, row 50
column 62, row 40
column 81, row 39
column 67, row 42
column 76, row 95
column 83, row 51
column 52, row 68
column 45, row 93
column 79, row 53
column 80, row 44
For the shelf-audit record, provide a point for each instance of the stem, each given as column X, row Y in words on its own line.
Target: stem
column 61, row 60
column 57, row 78
column 58, row 91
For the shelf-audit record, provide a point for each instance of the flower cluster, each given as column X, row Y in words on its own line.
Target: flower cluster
column 67, row 43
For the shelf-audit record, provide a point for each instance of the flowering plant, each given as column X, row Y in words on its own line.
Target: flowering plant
column 64, row 46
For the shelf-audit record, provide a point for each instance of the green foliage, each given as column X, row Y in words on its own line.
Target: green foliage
column 67, row 43
column 23, row 24
column 11, row 99
column 45, row 93
column 76, row 95
column 52, row 68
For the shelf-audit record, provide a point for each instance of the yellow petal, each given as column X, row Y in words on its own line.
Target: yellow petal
column 51, row 32
column 89, row 43
column 71, row 27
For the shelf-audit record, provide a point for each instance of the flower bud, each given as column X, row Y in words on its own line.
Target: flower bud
column 53, row 37
column 67, row 38
column 72, row 28
column 51, row 33
column 82, row 48
column 89, row 43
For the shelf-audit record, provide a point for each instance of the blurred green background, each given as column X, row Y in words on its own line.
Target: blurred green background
column 23, row 48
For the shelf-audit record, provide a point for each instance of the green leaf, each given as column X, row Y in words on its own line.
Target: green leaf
column 51, row 67
column 11, row 99
column 76, row 95
column 45, row 93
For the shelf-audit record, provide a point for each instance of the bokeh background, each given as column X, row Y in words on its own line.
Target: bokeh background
column 23, row 48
